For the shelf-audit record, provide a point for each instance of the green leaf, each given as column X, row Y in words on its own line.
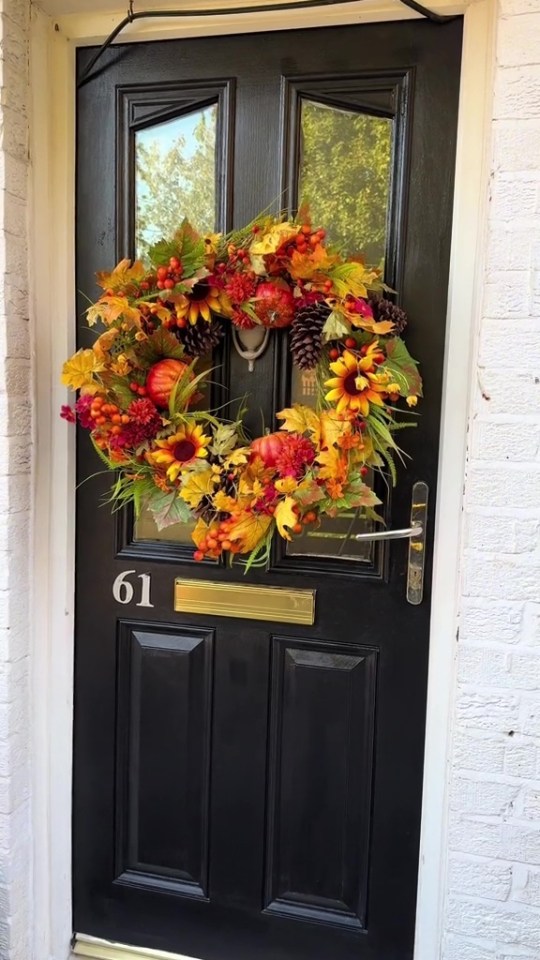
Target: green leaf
column 402, row 367
column 123, row 394
column 161, row 252
column 186, row 245
column 161, row 344
column 168, row 508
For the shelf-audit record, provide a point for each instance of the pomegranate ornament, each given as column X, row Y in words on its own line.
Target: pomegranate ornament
column 274, row 305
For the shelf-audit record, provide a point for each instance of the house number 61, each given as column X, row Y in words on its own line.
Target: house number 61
column 123, row 591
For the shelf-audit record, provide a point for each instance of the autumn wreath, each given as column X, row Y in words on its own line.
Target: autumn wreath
column 138, row 384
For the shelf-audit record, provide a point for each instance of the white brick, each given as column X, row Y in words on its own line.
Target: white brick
column 481, row 878
column 528, row 890
column 511, row 392
column 494, row 343
column 531, row 624
column 459, row 948
column 502, row 534
column 518, row 40
column 503, row 485
column 508, row 924
column 517, row 92
column 491, row 621
column 513, row 199
column 508, row 249
column 496, row 668
column 513, row 576
column 482, row 797
column 482, row 755
column 506, row 295
column 488, row 711
column 531, row 805
column 516, row 145
column 530, row 718
column 521, row 760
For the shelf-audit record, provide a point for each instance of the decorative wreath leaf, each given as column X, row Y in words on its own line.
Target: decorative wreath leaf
column 197, row 486
column 124, row 275
column 285, row 517
column 249, row 530
column 402, row 367
column 168, row 508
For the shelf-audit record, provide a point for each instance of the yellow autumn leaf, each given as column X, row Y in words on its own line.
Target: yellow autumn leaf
column 353, row 278
column 249, row 530
column 199, row 533
column 237, row 457
column 80, row 369
column 111, row 309
column 285, row 517
column 104, row 343
column 286, row 485
column 333, row 429
column 197, row 485
column 272, row 239
column 223, row 503
column 300, row 419
column 124, row 274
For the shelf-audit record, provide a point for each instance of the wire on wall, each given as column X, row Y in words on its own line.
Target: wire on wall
column 132, row 16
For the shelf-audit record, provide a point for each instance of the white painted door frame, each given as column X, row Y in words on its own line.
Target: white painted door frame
column 52, row 259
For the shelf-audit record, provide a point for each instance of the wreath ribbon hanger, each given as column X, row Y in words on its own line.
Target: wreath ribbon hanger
column 132, row 16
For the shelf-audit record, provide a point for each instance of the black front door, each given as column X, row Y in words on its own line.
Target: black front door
column 247, row 788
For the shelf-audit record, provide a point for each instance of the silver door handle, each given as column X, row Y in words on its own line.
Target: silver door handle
column 404, row 534
column 416, row 535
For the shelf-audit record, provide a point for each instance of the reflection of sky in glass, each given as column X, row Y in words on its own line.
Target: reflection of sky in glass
column 175, row 175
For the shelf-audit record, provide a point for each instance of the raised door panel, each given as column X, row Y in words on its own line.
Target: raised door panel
column 163, row 753
column 321, row 747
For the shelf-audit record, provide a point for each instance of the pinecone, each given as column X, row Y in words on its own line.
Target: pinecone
column 386, row 310
column 306, row 334
column 200, row 338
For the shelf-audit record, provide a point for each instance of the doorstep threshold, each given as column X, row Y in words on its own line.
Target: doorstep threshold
column 97, row 949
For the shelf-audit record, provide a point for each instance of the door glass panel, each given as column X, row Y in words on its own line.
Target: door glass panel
column 175, row 177
column 344, row 177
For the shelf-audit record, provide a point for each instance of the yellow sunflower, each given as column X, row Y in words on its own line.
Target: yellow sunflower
column 355, row 385
column 203, row 301
column 181, row 450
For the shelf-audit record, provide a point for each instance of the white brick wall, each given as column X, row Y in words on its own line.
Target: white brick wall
column 493, row 872
column 15, row 458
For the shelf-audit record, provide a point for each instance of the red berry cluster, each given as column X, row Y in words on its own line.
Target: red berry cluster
column 168, row 277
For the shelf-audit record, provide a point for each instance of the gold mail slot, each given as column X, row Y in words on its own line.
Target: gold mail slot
column 247, row 602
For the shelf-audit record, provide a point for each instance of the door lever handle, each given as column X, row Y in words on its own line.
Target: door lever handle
column 407, row 532
column 416, row 535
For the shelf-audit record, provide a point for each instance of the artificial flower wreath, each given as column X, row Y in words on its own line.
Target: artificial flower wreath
column 138, row 384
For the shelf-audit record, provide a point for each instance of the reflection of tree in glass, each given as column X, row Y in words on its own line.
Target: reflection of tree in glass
column 176, row 179
column 345, row 176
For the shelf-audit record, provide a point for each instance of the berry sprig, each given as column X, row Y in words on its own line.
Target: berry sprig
column 168, row 277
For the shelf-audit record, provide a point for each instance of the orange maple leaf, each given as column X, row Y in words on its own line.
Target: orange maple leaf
column 312, row 266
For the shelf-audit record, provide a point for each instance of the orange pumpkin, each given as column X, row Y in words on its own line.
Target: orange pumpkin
column 162, row 378
column 267, row 448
